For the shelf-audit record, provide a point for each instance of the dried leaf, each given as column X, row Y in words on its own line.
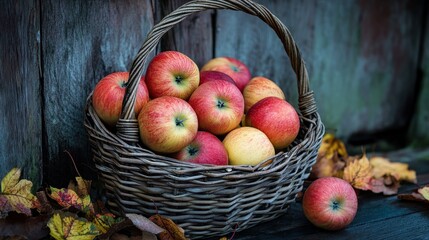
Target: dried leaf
column 358, row 173
column 105, row 221
column 383, row 167
column 330, row 158
column 24, row 226
column 144, row 224
column 386, row 185
column 67, row 226
column 82, row 187
column 424, row 191
column 16, row 194
column 172, row 231
column 68, row 198
column 331, row 145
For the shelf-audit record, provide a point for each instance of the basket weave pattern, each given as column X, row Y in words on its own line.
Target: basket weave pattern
column 204, row 200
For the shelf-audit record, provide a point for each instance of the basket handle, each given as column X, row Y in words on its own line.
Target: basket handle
column 127, row 127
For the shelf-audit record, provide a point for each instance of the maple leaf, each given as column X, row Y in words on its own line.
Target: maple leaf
column 64, row 225
column 424, row 191
column 383, row 167
column 172, row 231
column 358, row 173
column 385, row 185
column 68, row 198
column 330, row 158
column 16, row 194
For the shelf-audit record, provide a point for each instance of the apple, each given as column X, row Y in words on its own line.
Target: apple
column 247, row 146
column 109, row 94
column 219, row 106
column 206, row 76
column 206, row 148
column 237, row 70
column 330, row 203
column 167, row 124
column 276, row 118
column 259, row 88
column 172, row 73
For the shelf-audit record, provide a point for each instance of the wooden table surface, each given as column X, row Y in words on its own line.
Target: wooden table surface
column 378, row 217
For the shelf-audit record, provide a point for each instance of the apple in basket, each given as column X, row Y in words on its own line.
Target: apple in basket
column 234, row 68
column 259, row 88
column 206, row 76
column 276, row 118
column 330, row 203
column 247, row 146
column 206, row 148
column 219, row 106
column 172, row 73
column 167, row 124
column 109, row 93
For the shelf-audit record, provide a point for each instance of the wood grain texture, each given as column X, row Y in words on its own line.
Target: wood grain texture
column 193, row 36
column 82, row 42
column 20, row 99
column 361, row 57
column 419, row 134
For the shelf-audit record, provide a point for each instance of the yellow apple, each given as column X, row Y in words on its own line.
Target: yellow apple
column 259, row 88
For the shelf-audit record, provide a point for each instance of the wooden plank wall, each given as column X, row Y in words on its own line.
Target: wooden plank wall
column 362, row 57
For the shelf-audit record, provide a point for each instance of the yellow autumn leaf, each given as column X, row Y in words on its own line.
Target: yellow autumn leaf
column 424, row 191
column 358, row 173
column 67, row 226
column 383, row 167
column 331, row 145
column 82, row 187
column 16, row 194
column 105, row 221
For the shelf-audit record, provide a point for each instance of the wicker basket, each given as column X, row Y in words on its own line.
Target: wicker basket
column 204, row 200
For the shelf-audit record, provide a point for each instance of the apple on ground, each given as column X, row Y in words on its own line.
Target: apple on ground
column 234, row 68
column 206, row 76
column 109, row 94
column 247, row 146
column 172, row 73
column 330, row 203
column 219, row 106
column 167, row 124
column 259, row 88
column 276, row 118
column 206, row 148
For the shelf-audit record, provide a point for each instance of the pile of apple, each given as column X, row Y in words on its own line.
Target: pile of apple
column 216, row 115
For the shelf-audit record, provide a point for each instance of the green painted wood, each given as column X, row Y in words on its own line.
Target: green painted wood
column 20, row 99
column 419, row 134
column 361, row 58
column 82, row 42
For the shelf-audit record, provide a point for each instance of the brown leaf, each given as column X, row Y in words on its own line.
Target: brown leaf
column 172, row 231
column 330, row 158
column 383, row 167
column 358, row 173
column 418, row 195
column 23, row 226
column 386, row 185
column 82, row 187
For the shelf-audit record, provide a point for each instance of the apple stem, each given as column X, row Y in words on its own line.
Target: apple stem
column 220, row 104
column 124, row 84
column 178, row 79
column 335, row 205
column 192, row 151
column 179, row 123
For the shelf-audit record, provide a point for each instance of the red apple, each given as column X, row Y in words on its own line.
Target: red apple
column 206, row 148
column 259, row 88
column 167, row 124
column 109, row 93
column 276, row 118
column 247, row 146
column 330, row 203
column 206, row 76
column 219, row 106
column 237, row 70
column 172, row 73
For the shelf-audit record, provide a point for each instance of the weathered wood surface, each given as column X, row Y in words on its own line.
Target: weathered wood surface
column 82, row 42
column 378, row 217
column 20, row 99
column 361, row 57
